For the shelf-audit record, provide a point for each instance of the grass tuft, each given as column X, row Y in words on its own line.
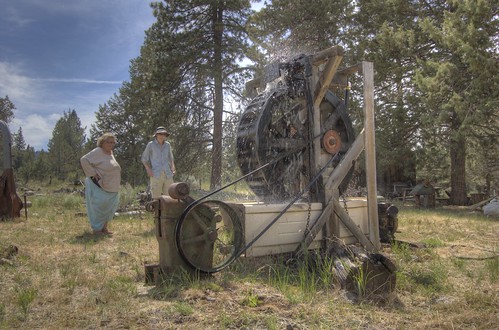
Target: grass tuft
column 25, row 298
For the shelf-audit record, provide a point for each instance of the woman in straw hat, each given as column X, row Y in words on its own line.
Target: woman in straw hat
column 158, row 162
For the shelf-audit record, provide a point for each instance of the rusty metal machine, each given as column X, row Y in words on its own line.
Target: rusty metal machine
column 10, row 203
column 295, row 148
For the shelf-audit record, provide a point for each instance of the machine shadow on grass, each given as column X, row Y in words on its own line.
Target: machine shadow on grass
column 88, row 237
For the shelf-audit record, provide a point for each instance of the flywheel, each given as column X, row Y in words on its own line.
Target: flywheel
column 209, row 236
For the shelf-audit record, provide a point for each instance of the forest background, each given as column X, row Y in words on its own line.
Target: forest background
column 436, row 88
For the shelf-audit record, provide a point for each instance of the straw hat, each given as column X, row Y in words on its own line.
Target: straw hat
column 160, row 130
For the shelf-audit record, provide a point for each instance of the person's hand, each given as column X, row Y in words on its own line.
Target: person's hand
column 149, row 172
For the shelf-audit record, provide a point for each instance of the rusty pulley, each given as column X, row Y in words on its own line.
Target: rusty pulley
column 331, row 142
column 209, row 235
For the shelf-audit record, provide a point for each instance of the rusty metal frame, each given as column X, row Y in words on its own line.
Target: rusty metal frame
column 10, row 203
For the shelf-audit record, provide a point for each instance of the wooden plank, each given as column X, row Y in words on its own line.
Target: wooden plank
column 348, row 222
column 341, row 170
column 325, row 79
column 314, row 229
column 480, row 204
column 350, row 70
column 370, row 152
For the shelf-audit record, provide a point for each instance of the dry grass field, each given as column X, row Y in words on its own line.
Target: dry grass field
column 63, row 277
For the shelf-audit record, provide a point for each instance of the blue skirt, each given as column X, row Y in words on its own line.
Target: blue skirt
column 101, row 204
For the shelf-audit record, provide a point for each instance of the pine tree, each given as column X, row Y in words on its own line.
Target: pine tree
column 122, row 118
column 6, row 109
column 285, row 29
column 201, row 42
column 18, row 149
column 387, row 34
column 66, row 146
column 41, row 167
column 27, row 170
column 459, row 80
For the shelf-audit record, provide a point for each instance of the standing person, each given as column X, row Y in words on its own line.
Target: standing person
column 158, row 161
column 102, row 183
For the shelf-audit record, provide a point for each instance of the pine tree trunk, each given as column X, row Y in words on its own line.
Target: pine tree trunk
column 458, row 170
column 216, row 163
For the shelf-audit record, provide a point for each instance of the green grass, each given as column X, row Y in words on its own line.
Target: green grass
column 251, row 299
column 25, row 298
column 492, row 268
column 64, row 277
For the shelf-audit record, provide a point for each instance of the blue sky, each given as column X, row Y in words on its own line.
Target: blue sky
column 57, row 55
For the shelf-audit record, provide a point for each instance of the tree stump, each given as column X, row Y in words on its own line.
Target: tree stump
column 365, row 273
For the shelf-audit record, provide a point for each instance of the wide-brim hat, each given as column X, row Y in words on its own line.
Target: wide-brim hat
column 160, row 130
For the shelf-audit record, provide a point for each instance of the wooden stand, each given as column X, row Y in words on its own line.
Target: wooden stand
column 365, row 140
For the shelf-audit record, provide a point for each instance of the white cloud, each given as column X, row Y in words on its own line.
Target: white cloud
column 35, row 106
column 13, row 83
column 37, row 130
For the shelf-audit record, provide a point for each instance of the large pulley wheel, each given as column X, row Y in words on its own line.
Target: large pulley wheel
column 209, row 236
column 275, row 124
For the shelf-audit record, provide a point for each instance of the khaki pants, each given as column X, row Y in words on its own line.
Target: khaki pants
column 159, row 186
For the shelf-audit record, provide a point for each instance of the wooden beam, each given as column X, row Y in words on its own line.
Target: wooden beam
column 348, row 222
column 315, row 228
column 325, row 79
column 325, row 54
column 350, row 70
column 341, row 170
column 370, row 148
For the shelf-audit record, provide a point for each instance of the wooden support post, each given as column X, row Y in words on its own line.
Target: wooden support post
column 370, row 149
column 321, row 80
column 334, row 206
column 365, row 140
column 332, row 184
